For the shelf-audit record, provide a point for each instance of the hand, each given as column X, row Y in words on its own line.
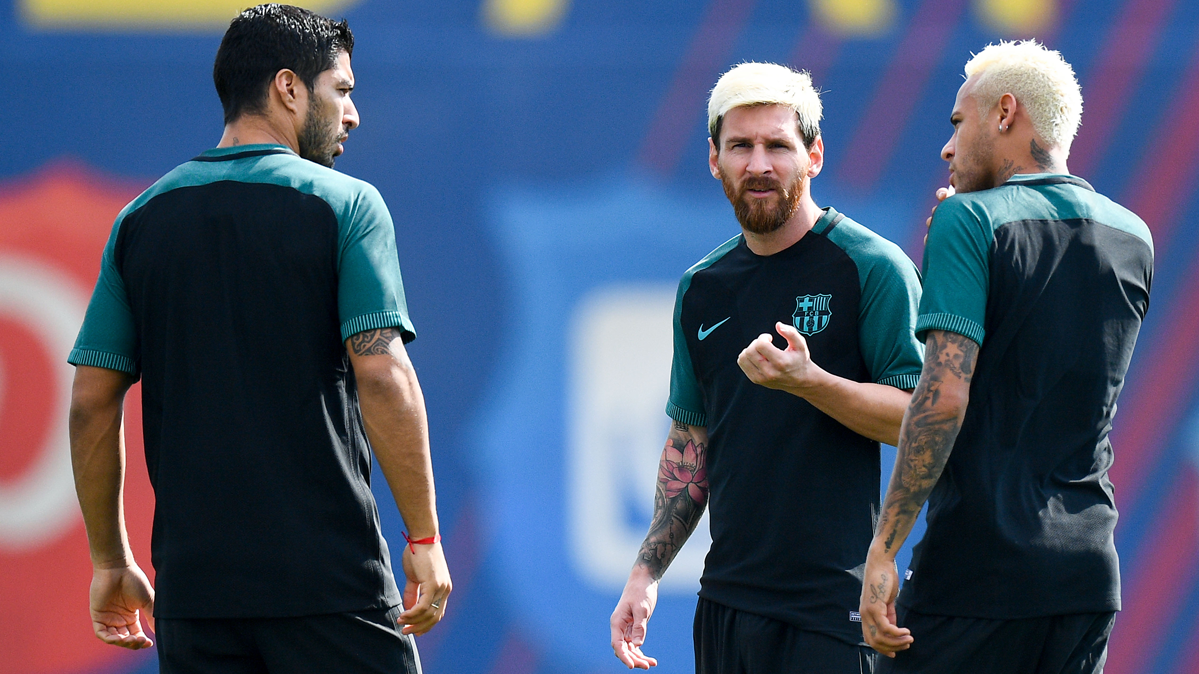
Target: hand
column 428, row 584
column 943, row 193
column 631, row 617
column 877, row 606
column 774, row 368
column 117, row 598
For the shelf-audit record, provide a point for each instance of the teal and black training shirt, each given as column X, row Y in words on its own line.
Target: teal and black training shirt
column 793, row 493
column 229, row 287
column 1052, row 280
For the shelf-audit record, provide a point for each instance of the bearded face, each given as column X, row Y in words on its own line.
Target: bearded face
column 763, row 215
column 321, row 133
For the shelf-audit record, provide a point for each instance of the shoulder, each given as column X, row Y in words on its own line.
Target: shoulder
column 868, row 250
column 710, row 259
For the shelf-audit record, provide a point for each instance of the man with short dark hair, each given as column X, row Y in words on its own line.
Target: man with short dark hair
column 257, row 294
column 1035, row 289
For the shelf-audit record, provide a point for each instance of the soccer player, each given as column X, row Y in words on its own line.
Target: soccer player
column 1035, row 289
column 782, row 444
column 257, row 294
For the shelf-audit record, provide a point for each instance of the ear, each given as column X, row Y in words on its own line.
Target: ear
column 289, row 91
column 816, row 157
column 1006, row 107
column 713, row 164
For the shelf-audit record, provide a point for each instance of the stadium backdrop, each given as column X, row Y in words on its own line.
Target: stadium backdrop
column 545, row 164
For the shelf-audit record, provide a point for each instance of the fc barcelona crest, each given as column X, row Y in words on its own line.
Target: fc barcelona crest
column 811, row 313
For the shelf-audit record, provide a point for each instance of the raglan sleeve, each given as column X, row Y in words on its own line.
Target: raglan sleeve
column 956, row 272
column 370, row 290
column 685, row 403
column 108, row 336
column 887, row 319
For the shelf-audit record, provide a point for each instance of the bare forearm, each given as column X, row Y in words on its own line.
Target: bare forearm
column 98, row 462
column 930, row 428
column 393, row 412
column 871, row 410
column 679, row 498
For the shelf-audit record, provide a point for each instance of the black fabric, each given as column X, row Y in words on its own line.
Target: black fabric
column 1025, row 496
column 363, row 642
column 793, row 493
column 728, row 641
column 254, row 439
column 1062, row 644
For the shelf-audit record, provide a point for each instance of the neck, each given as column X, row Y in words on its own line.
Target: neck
column 800, row 223
column 257, row 129
column 1029, row 155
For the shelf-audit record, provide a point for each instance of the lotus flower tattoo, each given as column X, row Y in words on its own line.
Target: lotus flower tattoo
column 684, row 471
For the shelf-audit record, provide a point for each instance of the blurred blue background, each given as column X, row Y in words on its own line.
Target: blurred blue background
column 545, row 164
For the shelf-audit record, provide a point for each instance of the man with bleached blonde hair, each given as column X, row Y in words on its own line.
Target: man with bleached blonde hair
column 782, row 451
column 1035, row 289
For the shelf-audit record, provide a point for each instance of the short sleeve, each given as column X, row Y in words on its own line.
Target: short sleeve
column 956, row 272
column 686, row 402
column 370, row 291
column 108, row 337
column 887, row 321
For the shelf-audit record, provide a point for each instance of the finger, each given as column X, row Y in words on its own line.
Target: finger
column 411, row 592
column 942, row 193
column 795, row 341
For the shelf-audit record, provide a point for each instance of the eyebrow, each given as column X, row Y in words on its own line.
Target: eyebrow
column 344, row 83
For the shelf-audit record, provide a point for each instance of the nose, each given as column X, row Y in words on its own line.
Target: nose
column 949, row 150
column 758, row 162
column 349, row 118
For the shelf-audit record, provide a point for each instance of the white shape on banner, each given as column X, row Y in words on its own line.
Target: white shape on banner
column 40, row 505
column 620, row 348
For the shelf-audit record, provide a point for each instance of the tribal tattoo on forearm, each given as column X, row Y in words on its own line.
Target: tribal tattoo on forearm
column 928, row 433
column 680, row 497
column 374, row 342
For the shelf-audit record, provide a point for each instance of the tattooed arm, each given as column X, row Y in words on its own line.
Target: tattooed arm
column 393, row 412
column 929, row 429
column 679, row 502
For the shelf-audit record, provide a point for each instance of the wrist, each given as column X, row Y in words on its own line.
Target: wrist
column 878, row 550
column 414, row 541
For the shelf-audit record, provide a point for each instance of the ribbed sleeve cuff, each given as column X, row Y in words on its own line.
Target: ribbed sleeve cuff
column 951, row 323
column 685, row 416
column 108, row 361
column 901, row 381
column 376, row 321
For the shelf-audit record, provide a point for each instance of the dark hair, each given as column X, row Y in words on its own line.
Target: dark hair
column 265, row 39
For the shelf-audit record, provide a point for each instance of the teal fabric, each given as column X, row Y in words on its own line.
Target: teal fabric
column 370, row 286
column 686, row 401
column 890, row 286
column 958, row 253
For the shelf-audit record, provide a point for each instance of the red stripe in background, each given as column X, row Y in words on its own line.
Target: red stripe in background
column 1124, row 56
column 814, row 51
column 516, row 656
column 899, row 91
column 1158, row 194
column 674, row 124
column 1154, row 597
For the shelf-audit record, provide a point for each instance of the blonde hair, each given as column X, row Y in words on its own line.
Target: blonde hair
column 1041, row 81
column 750, row 84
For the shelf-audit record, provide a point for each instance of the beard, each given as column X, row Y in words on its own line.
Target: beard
column 319, row 136
column 972, row 172
column 760, row 216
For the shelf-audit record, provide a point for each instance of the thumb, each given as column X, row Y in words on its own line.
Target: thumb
column 640, row 625
column 795, row 341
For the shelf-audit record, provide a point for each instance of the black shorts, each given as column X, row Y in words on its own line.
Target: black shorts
column 1064, row 644
column 361, row 641
column 728, row 641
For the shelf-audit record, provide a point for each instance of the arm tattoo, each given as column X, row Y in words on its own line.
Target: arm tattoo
column 1040, row 155
column 374, row 342
column 928, row 432
column 679, row 499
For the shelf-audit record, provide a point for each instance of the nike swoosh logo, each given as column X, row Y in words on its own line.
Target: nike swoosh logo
column 703, row 334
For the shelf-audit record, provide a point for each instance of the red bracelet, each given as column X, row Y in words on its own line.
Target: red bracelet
column 413, row 542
